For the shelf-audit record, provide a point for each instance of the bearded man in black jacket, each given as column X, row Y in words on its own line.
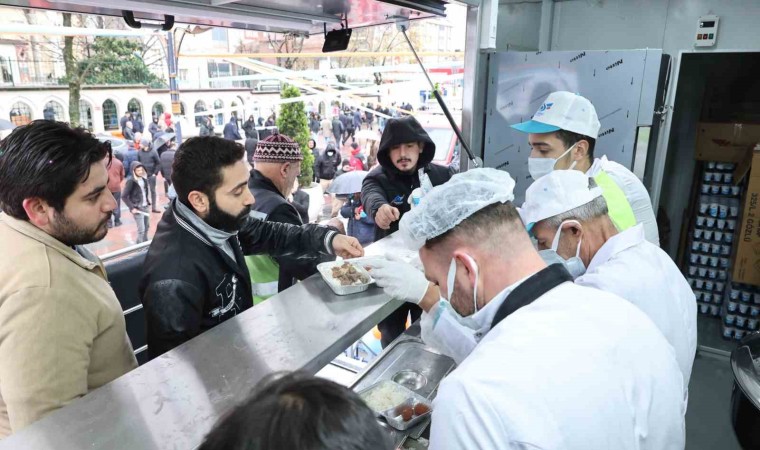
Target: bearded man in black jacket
column 195, row 276
column 405, row 150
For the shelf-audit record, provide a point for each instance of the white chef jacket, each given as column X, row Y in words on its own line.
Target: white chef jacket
column 456, row 339
column 577, row 369
column 642, row 273
column 634, row 191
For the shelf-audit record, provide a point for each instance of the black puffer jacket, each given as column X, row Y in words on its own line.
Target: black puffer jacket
column 328, row 163
column 189, row 285
column 167, row 160
column 150, row 160
column 271, row 203
column 385, row 184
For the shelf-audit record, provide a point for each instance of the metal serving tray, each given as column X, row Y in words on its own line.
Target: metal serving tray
column 390, row 414
column 410, row 363
column 413, row 365
column 325, row 269
column 397, row 421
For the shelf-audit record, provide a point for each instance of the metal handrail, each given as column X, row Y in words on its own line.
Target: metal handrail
column 125, row 251
column 133, row 309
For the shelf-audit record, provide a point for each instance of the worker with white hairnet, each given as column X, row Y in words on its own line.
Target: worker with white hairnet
column 567, row 214
column 555, row 365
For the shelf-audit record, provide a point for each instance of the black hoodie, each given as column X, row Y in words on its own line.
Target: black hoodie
column 385, row 184
column 327, row 163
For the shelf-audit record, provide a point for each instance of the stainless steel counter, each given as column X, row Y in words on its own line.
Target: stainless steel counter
column 173, row 401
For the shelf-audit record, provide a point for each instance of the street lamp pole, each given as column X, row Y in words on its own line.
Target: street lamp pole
column 173, row 86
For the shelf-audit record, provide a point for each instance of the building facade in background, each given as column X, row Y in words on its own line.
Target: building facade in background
column 33, row 82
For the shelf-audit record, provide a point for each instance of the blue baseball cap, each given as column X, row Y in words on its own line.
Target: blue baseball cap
column 563, row 110
column 531, row 126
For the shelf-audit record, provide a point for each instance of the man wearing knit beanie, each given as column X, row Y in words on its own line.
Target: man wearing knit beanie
column 277, row 164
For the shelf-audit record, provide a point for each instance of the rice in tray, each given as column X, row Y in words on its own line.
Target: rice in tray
column 384, row 397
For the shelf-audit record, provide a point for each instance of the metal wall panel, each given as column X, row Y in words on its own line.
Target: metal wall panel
column 619, row 83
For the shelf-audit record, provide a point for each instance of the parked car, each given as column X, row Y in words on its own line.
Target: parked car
column 119, row 146
column 446, row 143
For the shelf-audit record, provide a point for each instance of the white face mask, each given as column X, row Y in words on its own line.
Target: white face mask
column 452, row 275
column 574, row 264
column 538, row 167
column 448, row 332
column 445, row 329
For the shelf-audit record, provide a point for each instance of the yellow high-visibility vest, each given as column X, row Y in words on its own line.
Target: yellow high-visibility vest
column 265, row 276
column 620, row 210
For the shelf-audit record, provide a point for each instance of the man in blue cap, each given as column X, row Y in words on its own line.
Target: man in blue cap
column 562, row 135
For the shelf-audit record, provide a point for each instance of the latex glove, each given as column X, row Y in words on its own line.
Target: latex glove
column 400, row 280
column 347, row 247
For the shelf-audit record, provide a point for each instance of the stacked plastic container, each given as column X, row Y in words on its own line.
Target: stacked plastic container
column 708, row 267
column 742, row 311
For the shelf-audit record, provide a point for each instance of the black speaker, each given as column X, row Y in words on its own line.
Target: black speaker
column 337, row 40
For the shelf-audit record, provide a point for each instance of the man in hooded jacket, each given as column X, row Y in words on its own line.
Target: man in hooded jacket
column 405, row 150
column 231, row 132
column 327, row 166
column 250, row 128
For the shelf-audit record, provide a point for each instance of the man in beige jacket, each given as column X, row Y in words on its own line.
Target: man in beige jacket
column 62, row 332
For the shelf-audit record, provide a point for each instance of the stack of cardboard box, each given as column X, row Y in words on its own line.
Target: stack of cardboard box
column 731, row 146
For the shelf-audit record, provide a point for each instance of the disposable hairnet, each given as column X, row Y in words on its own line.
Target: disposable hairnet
column 447, row 205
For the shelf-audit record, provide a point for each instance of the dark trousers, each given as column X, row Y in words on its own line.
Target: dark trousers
column 117, row 211
column 349, row 134
column 392, row 326
column 152, row 184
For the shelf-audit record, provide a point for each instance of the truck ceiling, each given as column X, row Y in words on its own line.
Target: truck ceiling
column 281, row 16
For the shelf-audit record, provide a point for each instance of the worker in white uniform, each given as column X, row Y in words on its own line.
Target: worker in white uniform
column 567, row 214
column 562, row 135
column 557, row 366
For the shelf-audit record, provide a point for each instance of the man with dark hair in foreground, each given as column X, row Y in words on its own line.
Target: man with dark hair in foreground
column 195, row 276
column 299, row 412
column 62, row 331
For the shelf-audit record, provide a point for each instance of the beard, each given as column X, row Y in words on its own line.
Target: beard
column 407, row 171
column 71, row 234
column 461, row 301
column 222, row 220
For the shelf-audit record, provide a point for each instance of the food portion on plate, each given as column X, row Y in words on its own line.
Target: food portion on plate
column 400, row 407
column 384, row 396
column 410, row 409
column 348, row 275
column 344, row 277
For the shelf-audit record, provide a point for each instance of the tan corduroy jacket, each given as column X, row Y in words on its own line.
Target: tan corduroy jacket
column 62, row 332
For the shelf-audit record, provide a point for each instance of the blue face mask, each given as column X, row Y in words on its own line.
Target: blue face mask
column 574, row 264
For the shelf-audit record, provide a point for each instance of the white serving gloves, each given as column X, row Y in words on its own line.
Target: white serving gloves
column 400, row 280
